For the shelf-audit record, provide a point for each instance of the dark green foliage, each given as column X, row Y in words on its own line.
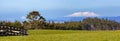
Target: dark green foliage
column 86, row 24
column 36, row 21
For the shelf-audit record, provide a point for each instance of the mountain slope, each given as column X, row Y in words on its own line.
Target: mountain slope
column 68, row 19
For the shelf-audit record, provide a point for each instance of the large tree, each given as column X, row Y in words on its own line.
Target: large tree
column 34, row 18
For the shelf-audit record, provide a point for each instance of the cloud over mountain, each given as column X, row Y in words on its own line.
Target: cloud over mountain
column 83, row 14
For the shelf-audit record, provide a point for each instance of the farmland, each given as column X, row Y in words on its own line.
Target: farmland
column 65, row 35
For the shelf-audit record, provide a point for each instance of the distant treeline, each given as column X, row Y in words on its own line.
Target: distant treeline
column 36, row 21
column 86, row 24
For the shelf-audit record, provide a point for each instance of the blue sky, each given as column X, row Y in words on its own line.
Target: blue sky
column 18, row 9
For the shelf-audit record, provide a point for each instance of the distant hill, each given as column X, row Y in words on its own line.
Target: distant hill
column 62, row 19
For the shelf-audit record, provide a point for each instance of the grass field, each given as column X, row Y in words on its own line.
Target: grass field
column 65, row 35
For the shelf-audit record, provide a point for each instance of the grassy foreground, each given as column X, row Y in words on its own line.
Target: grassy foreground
column 65, row 35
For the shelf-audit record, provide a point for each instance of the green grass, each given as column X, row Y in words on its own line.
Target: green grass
column 65, row 35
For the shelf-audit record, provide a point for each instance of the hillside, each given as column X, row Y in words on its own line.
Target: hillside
column 62, row 19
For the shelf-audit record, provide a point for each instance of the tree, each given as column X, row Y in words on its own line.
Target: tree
column 34, row 15
column 34, row 18
column 26, row 25
column 17, row 24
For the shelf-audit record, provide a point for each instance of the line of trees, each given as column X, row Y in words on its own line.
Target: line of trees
column 87, row 24
column 36, row 21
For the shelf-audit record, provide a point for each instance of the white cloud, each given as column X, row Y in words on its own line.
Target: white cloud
column 85, row 14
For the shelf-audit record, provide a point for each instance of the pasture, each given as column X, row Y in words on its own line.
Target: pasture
column 65, row 35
